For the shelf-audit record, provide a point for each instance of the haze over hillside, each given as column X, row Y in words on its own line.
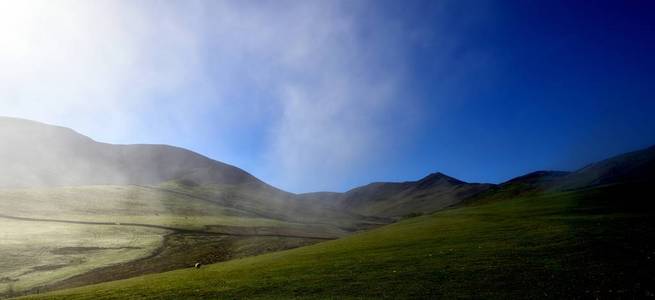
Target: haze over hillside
column 327, row 149
column 40, row 155
column 36, row 154
column 187, row 206
column 54, row 177
column 547, row 233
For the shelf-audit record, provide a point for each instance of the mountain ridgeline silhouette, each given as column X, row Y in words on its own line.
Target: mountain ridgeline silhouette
column 207, row 211
column 34, row 154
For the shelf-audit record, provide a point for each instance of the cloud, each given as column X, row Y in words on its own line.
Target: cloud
column 321, row 79
column 92, row 65
column 334, row 81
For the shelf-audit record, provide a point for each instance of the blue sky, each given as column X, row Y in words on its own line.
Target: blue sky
column 328, row 95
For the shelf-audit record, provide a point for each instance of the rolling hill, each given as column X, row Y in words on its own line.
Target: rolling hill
column 41, row 155
column 54, row 177
column 36, row 154
column 389, row 199
column 636, row 166
column 588, row 243
column 113, row 212
column 128, row 210
column 395, row 200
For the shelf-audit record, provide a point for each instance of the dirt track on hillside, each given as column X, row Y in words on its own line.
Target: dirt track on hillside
column 181, row 248
column 224, row 230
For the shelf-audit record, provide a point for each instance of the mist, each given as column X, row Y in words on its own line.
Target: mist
column 72, row 205
column 411, row 149
column 310, row 84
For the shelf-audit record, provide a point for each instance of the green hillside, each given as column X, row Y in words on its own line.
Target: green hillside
column 591, row 243
column 398, row 199
column 55, row 237
column 183, row 209
column 76, row 212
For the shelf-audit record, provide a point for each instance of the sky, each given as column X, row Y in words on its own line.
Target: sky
column 330, row 95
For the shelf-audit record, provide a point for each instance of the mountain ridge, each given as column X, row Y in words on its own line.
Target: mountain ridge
column 40, row 154
column 37, row 154
column 35, row 151
column 191, row 194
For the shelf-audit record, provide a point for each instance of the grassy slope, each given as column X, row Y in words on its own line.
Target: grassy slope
column 590, row 243
column 37, row 253
column 277, row 206
column 143, row 205
column 181, row 250
column 399, row 199
column 29, row 251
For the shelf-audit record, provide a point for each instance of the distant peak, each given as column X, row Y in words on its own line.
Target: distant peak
column 438, row 178
column 437, row 175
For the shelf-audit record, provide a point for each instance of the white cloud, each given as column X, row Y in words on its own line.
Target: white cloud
column 89, row 64
column 328, row 83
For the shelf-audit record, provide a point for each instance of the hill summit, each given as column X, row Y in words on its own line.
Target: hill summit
column 36, row 154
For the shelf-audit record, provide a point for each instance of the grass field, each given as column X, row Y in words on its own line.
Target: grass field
column 593, row 243
column 182, row 251
column 124, row 204
column 41, row 246
column 36, row 253
column 142, row 205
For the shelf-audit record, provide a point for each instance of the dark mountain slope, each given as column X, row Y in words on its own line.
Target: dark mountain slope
column 539, row 178
column 632, row 167
column 435, row 191
column 629, row 168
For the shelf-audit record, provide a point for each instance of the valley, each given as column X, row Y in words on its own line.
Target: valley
column 101, row 221
column 558, row 244
column 100, row 233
